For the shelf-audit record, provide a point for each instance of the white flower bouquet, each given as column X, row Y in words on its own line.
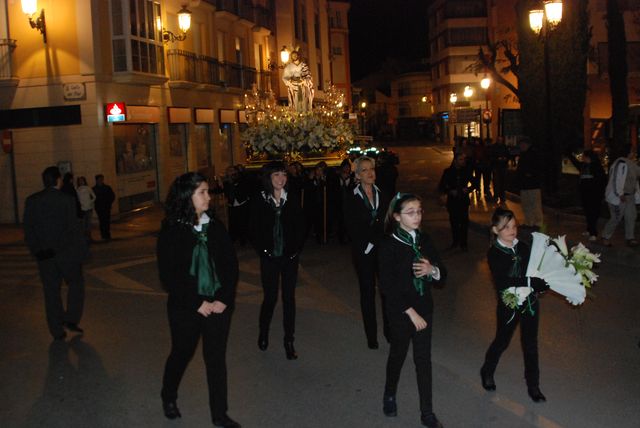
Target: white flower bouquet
column 567, row 271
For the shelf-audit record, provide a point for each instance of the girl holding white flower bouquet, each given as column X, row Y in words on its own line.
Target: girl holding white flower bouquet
column 517, row 301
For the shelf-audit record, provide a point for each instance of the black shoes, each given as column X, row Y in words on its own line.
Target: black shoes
column 171, row 410
column 71, row 326
column 389, row 405
column 535, row 394
column 226, row 422
column 487, row 380
column 430, row 421
column 263, row 341
column 290, row 350
column 372, row 344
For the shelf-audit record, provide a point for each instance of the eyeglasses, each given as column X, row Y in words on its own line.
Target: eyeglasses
column 412, row 213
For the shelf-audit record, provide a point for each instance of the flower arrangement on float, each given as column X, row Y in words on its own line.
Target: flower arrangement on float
column 280, row 131
column 568, row 271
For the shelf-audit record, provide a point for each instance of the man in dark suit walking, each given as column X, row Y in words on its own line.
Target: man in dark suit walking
column 54, row 236
column 104, row 200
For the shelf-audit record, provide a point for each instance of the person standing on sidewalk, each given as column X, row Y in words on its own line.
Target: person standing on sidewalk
column 87, row 200
column 508, row 258
column 592, row 184
column 198, row 267
column 409, row 266
column 277, row 232
column 364, row 214
column 54, row 236
column 104, row 200
column 499, row 154
column 622, row 195
column 529, row 180
column 456, row 183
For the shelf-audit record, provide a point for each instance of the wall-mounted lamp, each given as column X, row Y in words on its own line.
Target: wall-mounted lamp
column 284, row 58
column 30, row 7
column 184, row 23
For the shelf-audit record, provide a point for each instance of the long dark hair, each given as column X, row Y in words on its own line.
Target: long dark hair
column 267, row 170
column 179, row 206
column 397, row 204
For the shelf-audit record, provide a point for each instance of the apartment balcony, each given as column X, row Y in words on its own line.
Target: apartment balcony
column 6, row 71
column 188, row 70
column 246, row 11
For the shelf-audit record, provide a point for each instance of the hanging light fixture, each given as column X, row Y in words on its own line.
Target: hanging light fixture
column 485, row 82
column 468, row 91
column 184, row 23
column 536, row 19
column 30, row 7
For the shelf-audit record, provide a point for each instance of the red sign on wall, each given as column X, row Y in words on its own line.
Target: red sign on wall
column 116, row 112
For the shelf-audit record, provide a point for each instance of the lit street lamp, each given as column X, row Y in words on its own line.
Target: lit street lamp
column 468, row 93
column 542, row 22
column 485, row 83
column 453, row 99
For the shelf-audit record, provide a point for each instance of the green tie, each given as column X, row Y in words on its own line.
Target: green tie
column 278, row 244
column 516, row 267
column 404, row 236
column 202, row 267
column 367, row 203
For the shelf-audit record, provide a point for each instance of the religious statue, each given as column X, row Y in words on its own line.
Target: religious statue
column 297, row 78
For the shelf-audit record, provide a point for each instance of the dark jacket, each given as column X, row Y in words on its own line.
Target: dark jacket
column 174, row 250
column 104, row 197
column 529, row 169
column 395, row 265
column 262, row 220
column 500, row 265
column 52, row 228
column 361, row 228
column 456, row 183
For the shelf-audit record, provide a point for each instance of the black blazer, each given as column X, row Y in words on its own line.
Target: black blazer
column 500, row 264
column 262, row 220
column 395, row 267
column 52, row 228
column 360, row 228
column 174, row 250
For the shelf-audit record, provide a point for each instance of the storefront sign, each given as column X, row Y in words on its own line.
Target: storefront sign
column 204, row 115
column 143, row 114
column 116, row 112
column 242, row 116
column 179, row 115
column 227, row 116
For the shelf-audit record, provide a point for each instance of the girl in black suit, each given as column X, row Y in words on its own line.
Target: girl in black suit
column 508, row 259
column 364, row 211
column 198, row 267
column 277, row 232
column 409, row 266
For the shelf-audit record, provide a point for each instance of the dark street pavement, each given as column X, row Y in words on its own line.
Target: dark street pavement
column 111, row 377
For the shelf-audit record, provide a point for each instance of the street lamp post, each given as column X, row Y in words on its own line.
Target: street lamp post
column 485, row 83
column 468, row 93
column 453, row 99
column 542, row 22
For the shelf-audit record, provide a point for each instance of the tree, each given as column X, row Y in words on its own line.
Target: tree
column 617, row 49
column 567, row 83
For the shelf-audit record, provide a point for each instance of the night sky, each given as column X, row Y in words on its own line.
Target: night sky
column 380, row 29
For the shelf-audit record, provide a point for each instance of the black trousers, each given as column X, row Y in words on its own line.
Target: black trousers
column 366, row 270
column 238, row 222
column 528, row 339
column 499, row 182
column 52, row 273
column 186, row 328
column 591, row 198
column 274, row 270
column 459, row 220
column 104, row 217
column 403, row 332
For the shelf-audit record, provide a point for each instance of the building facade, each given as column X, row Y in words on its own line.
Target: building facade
column 177, row 102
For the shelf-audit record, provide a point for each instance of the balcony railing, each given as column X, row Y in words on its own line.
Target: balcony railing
column 245, row 9
column 190, row 67
column 6, row 47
